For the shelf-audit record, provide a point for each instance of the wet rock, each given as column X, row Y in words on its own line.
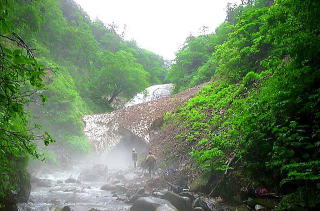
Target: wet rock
column 180, row 202
column 71, row 180
column 55, row 201
column 250, row 203
column 188, row 194
column 41, row 182
column 121, row 198
column 70, row 190
column 198, row 209
column 158, row 194
column 24, row 188
column 108, row 187
column 141, row 191
column 114, row 188
column 198, row 202
column 166, row 207
column 135, row 195
column 66, row 208
column 259, row 207
column 9, row 207
column 152, row 204
column 120, row 188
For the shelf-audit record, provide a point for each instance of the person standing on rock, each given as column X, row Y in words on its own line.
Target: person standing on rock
column 150, row 162
column 134, row 157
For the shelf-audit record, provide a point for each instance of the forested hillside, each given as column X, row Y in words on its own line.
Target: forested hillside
column 252, row 131
column 56, row 66
column 257, row 123
column 88, row 65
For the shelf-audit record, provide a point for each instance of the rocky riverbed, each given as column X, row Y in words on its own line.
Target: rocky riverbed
column 100, row 189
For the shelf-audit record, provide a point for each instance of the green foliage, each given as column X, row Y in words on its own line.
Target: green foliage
column 81, row 67
column 88, row 65
column 263, row 107
column 193, row 64
column 20, row 79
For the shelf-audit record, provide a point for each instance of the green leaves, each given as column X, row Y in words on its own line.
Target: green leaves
column 263, row 106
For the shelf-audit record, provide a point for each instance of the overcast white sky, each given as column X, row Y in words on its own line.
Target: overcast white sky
column 159, row 25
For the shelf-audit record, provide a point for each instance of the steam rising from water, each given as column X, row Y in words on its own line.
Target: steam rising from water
column 113, row 154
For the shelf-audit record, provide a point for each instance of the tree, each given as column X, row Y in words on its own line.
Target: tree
column 120, row 75
column 20, row 78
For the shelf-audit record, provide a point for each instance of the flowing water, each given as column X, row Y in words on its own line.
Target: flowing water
column 79, row 186
column 53, row 191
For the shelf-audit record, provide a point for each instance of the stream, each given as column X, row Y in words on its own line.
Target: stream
column 51, row 191
column 89, row 185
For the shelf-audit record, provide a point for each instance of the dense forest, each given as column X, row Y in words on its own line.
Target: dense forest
column 256, row 123
column 56, row 66
column 258, row 119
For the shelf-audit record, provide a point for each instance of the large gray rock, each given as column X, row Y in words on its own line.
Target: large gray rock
column 180, row 202
column 114, row 188
column 152, row 204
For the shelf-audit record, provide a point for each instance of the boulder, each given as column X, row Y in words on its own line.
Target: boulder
column 24, row 188
column 108, row 187
column 114, row 188
column 188, row 194
column 198, row 209
column 166, row 207
column 66, row 208
column 198, row 202
column 41, row 182
column 259, row 207
column 136, row 195
column 71, row 180
column 158, row 194
column 180, row 202
column 152, row 204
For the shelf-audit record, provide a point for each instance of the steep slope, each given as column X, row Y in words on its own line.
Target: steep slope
column 104, row 130
column 256, row 127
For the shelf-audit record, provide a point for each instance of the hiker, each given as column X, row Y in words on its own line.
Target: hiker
column 150, row 162
column 134, row 157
